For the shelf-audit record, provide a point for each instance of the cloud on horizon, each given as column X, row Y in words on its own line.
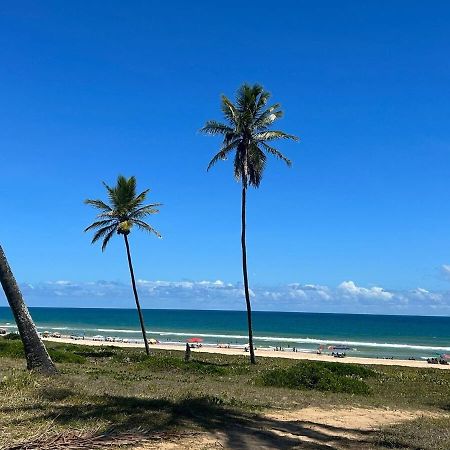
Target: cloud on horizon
column 347, row 297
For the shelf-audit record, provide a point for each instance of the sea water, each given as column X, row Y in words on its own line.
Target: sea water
column 399, row 337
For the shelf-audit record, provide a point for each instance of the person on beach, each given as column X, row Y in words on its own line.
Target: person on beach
column 187, row 353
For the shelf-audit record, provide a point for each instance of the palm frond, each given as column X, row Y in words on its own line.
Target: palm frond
column 212, row 127
column 223, row 153
column 256, row 165
column 98, row 204
column 109, row 215
column 248, row 133
column 103, row 231
column 272, row 135
column 262, row 100
column 268, row 116
column 108, row 236
column 99, row 223
column 138, row 200
column 240, row 171
column 145, row 211
column 125, row 191
column 111, row 195
column 125, row 208
column 229, row 110
column 277, row 153
column 145, row 226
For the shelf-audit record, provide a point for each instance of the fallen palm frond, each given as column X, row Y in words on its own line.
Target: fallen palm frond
column 91, row 441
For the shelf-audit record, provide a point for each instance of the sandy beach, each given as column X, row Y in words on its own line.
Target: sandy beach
column 262, row 353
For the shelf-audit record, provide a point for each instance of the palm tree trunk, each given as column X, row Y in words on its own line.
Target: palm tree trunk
column 136, row 298
column 244, row 271
column 36, row 354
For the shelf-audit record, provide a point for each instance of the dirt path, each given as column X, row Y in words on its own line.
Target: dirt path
column 309, row 428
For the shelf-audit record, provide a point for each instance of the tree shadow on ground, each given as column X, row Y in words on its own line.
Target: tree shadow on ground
column 234, row 428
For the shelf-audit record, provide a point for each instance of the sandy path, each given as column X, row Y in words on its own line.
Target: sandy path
column 264, row 353
column 308, row 428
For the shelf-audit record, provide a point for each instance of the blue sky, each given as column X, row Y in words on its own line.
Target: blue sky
column 90, row 90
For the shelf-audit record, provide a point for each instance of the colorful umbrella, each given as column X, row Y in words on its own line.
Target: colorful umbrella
column 194, row 340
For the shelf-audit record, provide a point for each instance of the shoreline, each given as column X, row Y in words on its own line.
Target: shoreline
column 259, row 353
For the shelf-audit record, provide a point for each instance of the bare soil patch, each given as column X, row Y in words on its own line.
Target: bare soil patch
column 307, row 428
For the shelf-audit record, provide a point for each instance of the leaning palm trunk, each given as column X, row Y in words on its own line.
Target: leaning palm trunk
column 36, row 354
column 244, row 271
column 136, row 298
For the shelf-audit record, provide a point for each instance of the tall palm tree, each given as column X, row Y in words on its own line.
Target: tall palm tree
column 125, row 209
column 36, row 354
column 247, row 132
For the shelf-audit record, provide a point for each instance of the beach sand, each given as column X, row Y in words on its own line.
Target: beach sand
column 259, row 353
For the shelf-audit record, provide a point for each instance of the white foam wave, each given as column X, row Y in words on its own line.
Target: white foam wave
column 269, row 339
column 314, row 341
column 119, row 330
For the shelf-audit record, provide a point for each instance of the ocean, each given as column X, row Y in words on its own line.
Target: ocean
column 399, row 337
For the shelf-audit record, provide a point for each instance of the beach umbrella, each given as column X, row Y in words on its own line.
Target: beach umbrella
column 445, row 356
column 152, row 341
column 194, row 340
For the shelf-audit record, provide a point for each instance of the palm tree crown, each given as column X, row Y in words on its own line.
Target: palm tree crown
column 124, row 210
column 248, row 133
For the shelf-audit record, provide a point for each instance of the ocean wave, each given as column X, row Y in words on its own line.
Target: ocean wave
column 267, row 339
column 312, row 341
column 118, row 330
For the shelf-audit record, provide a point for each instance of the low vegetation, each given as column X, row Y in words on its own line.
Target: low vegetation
column 108, row 388
column 423, row 433
column 348, row 378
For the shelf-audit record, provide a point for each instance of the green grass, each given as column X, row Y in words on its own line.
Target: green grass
column 13, row 348
column 100, row 388
column 424, row 433
column 333, row 377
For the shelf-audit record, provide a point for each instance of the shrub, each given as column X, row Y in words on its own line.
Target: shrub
column 319, row 376
column 63, row 356
column 351, row 370
column 12, row 337
column 14, row 349
column 164, row 363
column 101, row 353
column 11, row 348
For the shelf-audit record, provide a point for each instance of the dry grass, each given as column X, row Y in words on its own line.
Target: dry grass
column 123, row 391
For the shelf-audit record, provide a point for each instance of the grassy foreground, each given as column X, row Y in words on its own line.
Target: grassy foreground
column 121, row 391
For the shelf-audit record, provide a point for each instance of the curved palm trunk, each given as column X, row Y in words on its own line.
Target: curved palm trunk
column 136, row 298
column 36, row 354
column 244, row 271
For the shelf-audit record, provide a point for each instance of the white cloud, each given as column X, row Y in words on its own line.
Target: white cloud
column 350, row 288
column 218, row 294
column 423, row 294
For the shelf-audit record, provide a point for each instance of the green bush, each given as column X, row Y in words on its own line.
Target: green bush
column 11, row 348
column 351, row 370
column 159, row 362
column 320, row 376
column 12, row 337
column 97, row 353
column 14, row 349
column 63, row 356
column 171, row 363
